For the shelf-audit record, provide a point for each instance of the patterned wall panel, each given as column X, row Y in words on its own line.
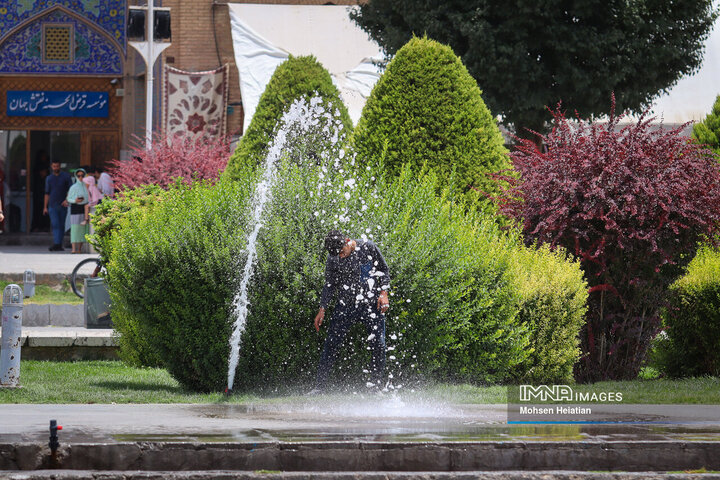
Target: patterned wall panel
column 108, row 15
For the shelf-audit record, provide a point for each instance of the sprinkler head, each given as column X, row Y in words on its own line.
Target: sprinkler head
column 228, row 392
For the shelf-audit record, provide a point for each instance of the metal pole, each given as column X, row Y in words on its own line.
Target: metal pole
column 149, row 51
column 11, row 336
column 150, row 62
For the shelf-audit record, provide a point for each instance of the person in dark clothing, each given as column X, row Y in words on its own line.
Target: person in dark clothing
column 355, row 272
column 41, row 169
column 57, row 185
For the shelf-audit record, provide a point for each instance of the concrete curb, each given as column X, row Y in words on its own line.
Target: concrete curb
column 633, row 456
column 60, row 315
column 67, row 343
column 51, row 279
column 229, row 475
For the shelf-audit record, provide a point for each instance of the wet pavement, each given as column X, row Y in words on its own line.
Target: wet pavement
column 354, row 434
column 330, row 418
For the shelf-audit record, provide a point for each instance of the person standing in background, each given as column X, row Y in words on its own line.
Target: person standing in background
column 78, row 197
column 93, row 199
column 105, row 182
column 57, row 185
column 41, row 169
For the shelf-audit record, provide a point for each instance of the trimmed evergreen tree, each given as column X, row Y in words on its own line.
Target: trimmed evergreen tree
column 707, row 132
column 427, row 111
column 297, row 77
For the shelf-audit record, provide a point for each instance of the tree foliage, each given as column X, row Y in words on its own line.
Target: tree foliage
column 527, row 54
column 297, row 77
column 707, row 132
column 632, row 204
column 427, row 111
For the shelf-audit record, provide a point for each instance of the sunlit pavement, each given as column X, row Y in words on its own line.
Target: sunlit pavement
column 354, row 417
column 15, row 259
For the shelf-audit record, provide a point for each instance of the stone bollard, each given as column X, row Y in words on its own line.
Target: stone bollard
column 11, row 337
column 29, row 283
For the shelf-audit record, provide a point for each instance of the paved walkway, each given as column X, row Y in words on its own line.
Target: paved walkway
column 16, row 259
column 342, row 417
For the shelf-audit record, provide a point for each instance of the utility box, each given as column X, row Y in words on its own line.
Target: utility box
column 97, row 304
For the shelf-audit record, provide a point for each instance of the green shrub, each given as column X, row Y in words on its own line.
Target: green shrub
column 109, row 213
column 459, row 284
column 690, row 345
column 297, row 77
column 553, row 303
column 453, row 313
column 171, row 278
column 426, row 110
column 707, row 132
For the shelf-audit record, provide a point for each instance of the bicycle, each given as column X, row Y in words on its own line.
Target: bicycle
column 90, row 267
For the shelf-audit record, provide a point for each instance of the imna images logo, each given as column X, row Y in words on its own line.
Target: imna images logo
column 564, row 393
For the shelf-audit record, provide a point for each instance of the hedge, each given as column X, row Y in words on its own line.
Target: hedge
column 297, row 77
column 427, row 111
column 463, row 296
column 171, row 278
column 553, row 304
column 108, row 215
column 690, row 345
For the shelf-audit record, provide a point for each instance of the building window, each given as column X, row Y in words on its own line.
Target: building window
column 58, row 43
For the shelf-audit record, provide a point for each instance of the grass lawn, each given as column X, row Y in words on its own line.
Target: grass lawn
column 47, row 294
column 114, row 382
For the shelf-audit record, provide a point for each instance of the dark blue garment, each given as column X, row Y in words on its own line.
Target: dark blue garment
column 57, row 186
column 344, row 317
column 360, row 277
column 57, row 220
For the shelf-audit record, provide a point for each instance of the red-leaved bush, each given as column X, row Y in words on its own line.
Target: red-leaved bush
column 191, row 159
column 632, row 203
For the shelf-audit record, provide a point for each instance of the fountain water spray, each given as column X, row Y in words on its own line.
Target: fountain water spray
column 298, row 120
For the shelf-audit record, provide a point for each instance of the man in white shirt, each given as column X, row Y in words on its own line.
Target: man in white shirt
column 104, row 182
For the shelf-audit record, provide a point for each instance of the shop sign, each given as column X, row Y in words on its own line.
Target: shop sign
column 33, row 103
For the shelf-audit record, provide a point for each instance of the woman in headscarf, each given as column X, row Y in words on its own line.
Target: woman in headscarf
column 78, row 197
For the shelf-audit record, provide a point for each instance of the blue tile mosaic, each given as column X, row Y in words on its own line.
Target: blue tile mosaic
column 94, row 53
column 106, row 14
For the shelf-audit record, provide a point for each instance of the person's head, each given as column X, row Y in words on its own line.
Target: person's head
column 336, row 243
column 55, row 166
column 80, row 174
column 89, row 181
column 97, row 172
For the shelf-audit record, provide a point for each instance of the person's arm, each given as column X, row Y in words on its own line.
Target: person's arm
column 47, row 195
column 68, row 184
column 2, row 215
column 328, row 292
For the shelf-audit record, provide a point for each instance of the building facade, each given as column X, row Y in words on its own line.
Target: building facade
column 73, row 89
column 61, row 70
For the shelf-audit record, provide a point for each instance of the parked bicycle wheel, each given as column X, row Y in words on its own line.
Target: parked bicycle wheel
column 83, row 270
